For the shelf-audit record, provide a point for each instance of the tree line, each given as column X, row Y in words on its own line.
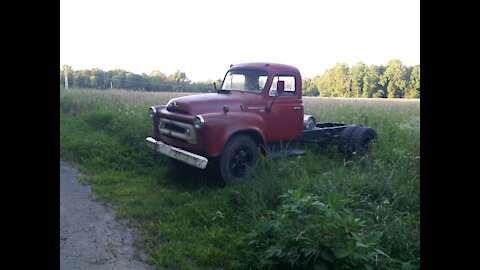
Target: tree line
column 366, row 81
column 120, row 79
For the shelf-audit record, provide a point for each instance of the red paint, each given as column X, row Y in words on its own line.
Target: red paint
column 226, row 114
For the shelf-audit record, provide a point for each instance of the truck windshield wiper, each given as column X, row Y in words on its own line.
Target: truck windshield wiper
column 220, row 90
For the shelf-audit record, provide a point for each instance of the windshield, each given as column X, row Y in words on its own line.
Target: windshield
column 252, row 80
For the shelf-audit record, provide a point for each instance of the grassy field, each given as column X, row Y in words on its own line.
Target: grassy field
column 313, row 212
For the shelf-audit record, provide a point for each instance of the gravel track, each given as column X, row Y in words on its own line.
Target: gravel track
column 90, row 237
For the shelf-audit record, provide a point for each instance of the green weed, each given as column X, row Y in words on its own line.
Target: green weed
column 359, row 213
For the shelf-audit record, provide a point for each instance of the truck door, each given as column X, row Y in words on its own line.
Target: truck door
column 285, row 119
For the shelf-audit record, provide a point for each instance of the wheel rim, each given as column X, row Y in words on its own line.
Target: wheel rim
column 240, row 160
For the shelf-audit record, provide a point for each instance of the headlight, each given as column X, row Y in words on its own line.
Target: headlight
column 198, row 122
column 152, row 111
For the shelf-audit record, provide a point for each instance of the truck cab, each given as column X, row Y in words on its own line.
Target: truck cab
column 280, row 108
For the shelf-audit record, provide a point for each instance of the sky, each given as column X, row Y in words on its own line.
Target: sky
column 202, row 38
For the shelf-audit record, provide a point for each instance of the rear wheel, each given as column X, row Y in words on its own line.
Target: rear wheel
column 345, row 145
column 239, row 157
column 361, row 139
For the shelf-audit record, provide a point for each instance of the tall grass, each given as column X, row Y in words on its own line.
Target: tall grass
column 186, row 221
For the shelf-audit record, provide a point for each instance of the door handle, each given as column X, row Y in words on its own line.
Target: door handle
column 297, row 108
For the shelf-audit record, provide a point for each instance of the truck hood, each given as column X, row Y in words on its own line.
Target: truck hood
column 207, row 103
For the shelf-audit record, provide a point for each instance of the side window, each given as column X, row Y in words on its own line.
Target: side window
column 289, row 86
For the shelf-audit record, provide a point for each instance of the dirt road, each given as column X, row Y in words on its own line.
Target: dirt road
column 90, row 238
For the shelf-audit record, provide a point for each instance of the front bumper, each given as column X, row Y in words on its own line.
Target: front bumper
column 177, row 153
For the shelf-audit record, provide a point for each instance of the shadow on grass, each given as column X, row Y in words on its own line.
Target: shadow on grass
column 184, row 177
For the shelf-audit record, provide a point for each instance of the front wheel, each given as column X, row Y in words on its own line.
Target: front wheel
column 239, row 157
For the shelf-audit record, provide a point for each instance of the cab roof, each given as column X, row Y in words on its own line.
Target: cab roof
column 269, row 67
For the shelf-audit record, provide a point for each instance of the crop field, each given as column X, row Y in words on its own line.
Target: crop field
column 318, row 211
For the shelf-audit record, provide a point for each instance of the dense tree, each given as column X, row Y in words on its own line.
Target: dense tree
column 414, row 83
column 85, row 78
column 309, row 87
column 335, row 82
column 118, row 78
column 70, row 73
column 370, row 81
column 358, row 72
column 178, row 77
column 158, row 74
column 179, row 80
column 342, row 81
column 108, row 79
column 325, row 83
column 134, row 81
column 393, row 81
column 97, row 78
column 159, row 81
column 147, row 86
column 81, row 78
column 381, row 88
column 205, row 86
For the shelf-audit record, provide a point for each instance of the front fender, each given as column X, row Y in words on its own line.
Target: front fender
column 219, row 127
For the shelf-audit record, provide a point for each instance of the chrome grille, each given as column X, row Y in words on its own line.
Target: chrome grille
column 177, row 130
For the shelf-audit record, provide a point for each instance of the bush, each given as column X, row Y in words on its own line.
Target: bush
column 306, row 233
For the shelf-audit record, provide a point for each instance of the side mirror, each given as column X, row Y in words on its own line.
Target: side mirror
column 215, row 86
column 280, row 87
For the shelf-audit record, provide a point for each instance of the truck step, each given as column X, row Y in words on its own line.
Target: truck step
column 286, row 153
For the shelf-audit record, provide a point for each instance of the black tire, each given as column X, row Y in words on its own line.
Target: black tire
column 361, row 139
column 345, row 145
column 239, row 157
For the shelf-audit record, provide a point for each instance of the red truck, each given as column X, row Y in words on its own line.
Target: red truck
column 257, row 110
